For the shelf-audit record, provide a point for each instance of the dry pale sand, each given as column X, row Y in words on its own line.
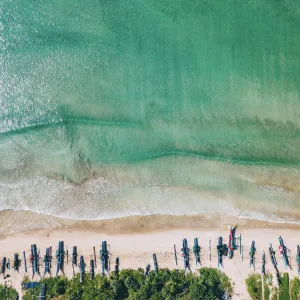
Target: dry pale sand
column 135, row 239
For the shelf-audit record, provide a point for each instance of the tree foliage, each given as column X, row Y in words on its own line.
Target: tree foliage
column 267, row 286
column 295, row 288
column 254, row 286
column 284, row 289
column 133, row 285
column 7, row 293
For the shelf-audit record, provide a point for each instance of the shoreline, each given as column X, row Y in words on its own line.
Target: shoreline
column 12, row 222
column 262, row 219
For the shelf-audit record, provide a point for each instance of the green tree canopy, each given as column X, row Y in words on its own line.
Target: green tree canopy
column 133, row 285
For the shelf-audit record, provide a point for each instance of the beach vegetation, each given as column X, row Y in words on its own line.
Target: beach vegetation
column 254, row 286
column 295, row 288
column 55, row 287
column 284, row 288
column 275, row 293
column 8, row 293
column 130, row 284
column 267, row 282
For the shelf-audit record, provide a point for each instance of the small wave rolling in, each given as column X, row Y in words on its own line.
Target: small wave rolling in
column 117, row 108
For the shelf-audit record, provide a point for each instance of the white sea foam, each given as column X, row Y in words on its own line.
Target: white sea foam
column 103, row 198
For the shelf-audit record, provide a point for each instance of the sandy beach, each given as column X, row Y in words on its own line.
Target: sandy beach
column 135, row 239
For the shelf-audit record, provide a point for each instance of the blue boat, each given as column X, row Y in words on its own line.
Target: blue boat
column 104, row 257
column 60, row 257
column 81, row 266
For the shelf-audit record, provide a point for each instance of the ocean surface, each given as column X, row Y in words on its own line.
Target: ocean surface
column 112, row 108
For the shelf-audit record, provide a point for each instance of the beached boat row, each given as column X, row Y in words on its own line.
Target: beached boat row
column 35, row 262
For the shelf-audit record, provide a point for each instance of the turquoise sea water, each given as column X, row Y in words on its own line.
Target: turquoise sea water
column 114, row 108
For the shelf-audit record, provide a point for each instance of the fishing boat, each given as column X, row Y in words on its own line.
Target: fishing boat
column 231, row 244
column 272, row 255
column 34, row 260
column 222, row 251
column 104, row 257
column 155, row 263
column 252, row 254
column 283, row 252
column 81, row 266
column 60, row 258
column 196, row 250
column 147, row 270
column 17, row 262
column 3, row 266
column 185, row 254
column 263, row 267
column 274, row 262
column 117, row 263
column 47, row 262
column 74, row 259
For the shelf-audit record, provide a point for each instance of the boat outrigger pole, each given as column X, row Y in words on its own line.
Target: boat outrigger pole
column 117, row 264
column 175, row 255
column 50, row 253
column 196, row 250
column 263, row 267
column 252, row 254
column 25, row 262
column 43, row 292
column 155, row 263
column 94, row 253
column 283, row 252
column 230, row 244
column 81, row 266
column 60, row 257
column 74, row 258
column 92, row 269
column 298, row 258
column 104, row 256
column 186, row 254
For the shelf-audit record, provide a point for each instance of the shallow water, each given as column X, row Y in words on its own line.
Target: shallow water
column 113, row 108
